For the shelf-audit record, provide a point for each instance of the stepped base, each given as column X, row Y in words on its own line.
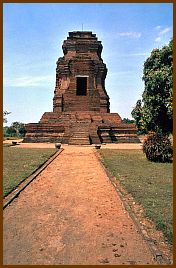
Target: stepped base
column 76, row 141
column 81, row 128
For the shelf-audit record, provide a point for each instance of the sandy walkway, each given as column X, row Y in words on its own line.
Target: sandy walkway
column 52, row 145
column 71, row 214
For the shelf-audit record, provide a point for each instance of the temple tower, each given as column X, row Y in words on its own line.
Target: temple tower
column 80, row 75
column 81, row 113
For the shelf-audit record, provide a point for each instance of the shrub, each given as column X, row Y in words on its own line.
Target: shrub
column 158, row 148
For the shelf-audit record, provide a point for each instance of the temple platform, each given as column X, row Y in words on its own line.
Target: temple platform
column 81, row 128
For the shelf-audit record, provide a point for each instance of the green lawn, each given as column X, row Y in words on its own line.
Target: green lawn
column 149, row 183
column 19, row 163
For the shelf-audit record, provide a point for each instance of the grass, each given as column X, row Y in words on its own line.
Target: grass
column 149, row 183
column 19, row 163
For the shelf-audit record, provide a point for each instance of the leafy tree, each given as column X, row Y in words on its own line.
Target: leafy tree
column 127, row 121
column 19, row 128
column 16, row 129
column 4, row 116
column 4, row 131
column 22, row 131
column 157, row 97
column 137, row 114
column 10, row 132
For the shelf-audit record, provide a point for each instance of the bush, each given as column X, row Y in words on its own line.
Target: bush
column 158, row 148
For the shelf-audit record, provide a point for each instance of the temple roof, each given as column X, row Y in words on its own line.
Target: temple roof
column 82, row 35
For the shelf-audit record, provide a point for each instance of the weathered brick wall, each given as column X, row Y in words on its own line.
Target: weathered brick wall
column 82, row 57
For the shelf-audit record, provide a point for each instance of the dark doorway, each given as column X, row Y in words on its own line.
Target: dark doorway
column 81, row 86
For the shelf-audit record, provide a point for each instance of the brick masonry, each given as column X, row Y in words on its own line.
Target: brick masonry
column 81, row 113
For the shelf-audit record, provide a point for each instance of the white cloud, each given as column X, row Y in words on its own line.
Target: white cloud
column 161, row 32
column 165, row 30
column 158, row 27
column 126, row 55
column 135, row 54
column 158, row 39
column 28, row 81
column 140, row 54
column 130, row 34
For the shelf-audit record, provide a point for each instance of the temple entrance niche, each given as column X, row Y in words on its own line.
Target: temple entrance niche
column 81, row 85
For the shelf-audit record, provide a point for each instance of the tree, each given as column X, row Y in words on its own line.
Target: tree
column 22, row 131
column 137, row 114
column 127, row 121
column 19, row 128
column 4, row 116
column 158, row 93
column 16, row 129
column 10, row 132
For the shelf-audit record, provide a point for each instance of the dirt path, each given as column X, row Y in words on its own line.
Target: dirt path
column 71, row 214
column 122, row 146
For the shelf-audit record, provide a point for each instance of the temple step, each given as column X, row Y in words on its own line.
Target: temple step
column 118, row 135
column 125, row 138
column 79, row 138
column 80, row 133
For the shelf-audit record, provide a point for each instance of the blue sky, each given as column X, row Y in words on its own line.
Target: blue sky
column 32, row 42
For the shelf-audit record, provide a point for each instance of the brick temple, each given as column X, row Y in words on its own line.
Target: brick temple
column 81, row 108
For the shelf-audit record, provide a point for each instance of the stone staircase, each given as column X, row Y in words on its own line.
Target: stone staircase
column 80, row 133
